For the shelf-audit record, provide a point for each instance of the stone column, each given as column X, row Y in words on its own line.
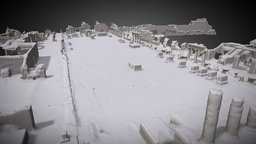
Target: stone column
column 251, row 119
column 253, row 67
column 236, row 61
column 203, row 57
column 189, row 53
column 234, row 116
column 211, row 116
column 195, row 56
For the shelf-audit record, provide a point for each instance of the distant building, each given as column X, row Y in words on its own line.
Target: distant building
column 12, row 32
column 100, row 27
column 48, row 32
column 4, row 38
column 34, row 36
column 82, row 29
column 70, row 29
column 136, row 37
column 253, row 43
column 147, row 36
column 114, row 29
column 9, row 34
column 197, row 27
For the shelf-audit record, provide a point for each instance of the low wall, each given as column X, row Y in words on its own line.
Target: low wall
column 12, row 62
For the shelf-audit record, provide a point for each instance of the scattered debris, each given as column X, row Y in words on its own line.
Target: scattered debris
column 135, row 67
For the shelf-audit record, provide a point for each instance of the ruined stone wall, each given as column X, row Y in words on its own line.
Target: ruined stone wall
column 16, row 62
column 31, row 57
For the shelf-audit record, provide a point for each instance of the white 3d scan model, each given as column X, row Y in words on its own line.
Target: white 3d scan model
column 108, row 84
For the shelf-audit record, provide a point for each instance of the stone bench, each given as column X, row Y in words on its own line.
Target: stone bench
column 170, row 58
column 134, row 45
column 194, row 69
column 182, row 63
column 135, row 67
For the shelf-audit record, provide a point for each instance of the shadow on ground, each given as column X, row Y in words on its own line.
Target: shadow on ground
column 44, row 124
